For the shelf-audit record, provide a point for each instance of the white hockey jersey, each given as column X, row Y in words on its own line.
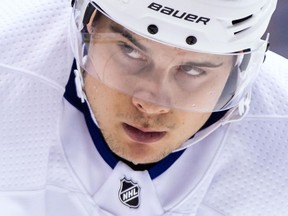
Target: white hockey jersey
column 54, row 161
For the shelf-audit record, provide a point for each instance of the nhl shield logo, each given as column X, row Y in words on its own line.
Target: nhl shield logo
column 129, row 193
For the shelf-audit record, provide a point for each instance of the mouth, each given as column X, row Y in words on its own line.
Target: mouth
column 144, row 136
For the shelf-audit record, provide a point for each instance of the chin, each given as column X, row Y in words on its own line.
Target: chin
column 142, row 159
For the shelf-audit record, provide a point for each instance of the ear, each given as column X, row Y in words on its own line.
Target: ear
column 88, row 14
column 90, row 23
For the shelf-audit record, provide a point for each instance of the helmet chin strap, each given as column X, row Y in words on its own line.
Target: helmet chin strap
column 79, row 83
column 244, row 104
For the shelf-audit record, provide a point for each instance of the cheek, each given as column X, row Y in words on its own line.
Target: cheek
column 196, row 119
column 105, row 102
column 190, row 123
column 97, row 62
column 97, row 95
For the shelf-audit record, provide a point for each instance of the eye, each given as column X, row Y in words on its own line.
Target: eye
column 192, row 70
column 130, row 51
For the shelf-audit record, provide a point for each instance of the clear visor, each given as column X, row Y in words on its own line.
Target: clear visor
column 162, row 74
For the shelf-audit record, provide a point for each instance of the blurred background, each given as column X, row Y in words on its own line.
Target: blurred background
column 278, row 29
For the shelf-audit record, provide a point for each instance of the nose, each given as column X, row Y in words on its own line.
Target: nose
column 148, row 107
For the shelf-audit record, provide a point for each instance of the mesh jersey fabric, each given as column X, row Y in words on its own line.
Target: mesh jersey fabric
column 242, row 172
column 35, row 59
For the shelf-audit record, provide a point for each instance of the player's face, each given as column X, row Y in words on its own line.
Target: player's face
column 142, row 131
column 139, row 131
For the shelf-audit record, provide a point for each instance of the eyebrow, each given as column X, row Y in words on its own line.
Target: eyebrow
column 204, row 64
column 125, row 33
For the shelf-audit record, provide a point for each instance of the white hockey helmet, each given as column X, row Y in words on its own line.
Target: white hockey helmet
column 195, row 55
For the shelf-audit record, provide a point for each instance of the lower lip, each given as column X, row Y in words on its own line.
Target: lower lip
column 142, row 137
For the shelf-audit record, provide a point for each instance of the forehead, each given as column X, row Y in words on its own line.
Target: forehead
column 103, row 24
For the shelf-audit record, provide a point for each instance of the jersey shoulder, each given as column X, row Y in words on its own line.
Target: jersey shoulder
column 34, row 38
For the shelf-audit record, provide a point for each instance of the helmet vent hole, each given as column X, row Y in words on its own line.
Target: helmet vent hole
column 152, row 29
column 234, row 22
column 191, row 40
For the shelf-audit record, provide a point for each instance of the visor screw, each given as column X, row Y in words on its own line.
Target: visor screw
column 152, row 29
column 191, row 40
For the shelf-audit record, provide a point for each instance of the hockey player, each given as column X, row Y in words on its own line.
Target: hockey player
column 168, row 109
